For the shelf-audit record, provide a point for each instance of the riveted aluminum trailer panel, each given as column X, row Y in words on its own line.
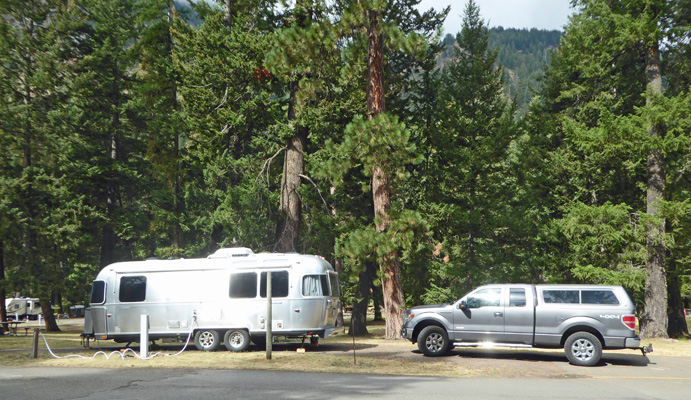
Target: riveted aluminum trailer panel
column 224, row 293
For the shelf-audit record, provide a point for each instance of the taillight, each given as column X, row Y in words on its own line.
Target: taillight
column 629, row 321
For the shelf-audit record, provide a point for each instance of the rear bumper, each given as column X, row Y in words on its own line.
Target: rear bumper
column 633, row 343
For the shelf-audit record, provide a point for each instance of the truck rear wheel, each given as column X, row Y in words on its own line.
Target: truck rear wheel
column 207, row 340
column 583, row 349
column 236, row 341
column 433, row 341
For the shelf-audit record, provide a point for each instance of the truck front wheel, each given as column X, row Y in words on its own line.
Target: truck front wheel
column 583, row 349
column 433, row 341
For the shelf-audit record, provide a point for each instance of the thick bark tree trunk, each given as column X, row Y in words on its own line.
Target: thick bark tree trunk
column 677, row 321
column 339, row 317
column 48, row 316
column 381, row 192
column 108, row 233
column 176, row 141
column 654, row 319
column 358, row 321
column 288, row 230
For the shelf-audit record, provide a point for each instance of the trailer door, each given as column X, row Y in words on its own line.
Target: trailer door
column 98, row 310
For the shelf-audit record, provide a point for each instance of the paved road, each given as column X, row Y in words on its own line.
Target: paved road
column 663, row 378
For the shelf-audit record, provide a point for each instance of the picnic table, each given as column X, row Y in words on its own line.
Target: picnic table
column 12, row 326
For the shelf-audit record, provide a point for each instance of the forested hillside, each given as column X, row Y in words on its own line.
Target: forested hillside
column 523, row 53
column 128, row 131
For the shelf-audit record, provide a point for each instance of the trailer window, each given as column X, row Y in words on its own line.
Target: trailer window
column 315, row 285
column 279, row 284
column 561, row 296
column 599, row 297
column 243, row 285
column 98, row 292
column 132, row 289
column 335, row 291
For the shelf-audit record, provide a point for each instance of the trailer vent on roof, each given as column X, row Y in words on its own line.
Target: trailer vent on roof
column 232, row 252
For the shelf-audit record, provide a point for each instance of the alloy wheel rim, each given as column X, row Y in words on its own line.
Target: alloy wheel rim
column 583, row 349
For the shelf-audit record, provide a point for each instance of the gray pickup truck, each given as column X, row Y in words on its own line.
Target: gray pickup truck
column 583, row 319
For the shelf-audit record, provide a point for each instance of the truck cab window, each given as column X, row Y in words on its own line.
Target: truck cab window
column 243, row 285
column 517, row 298
column 279, row 284
column 132, row 289
column 485, row 298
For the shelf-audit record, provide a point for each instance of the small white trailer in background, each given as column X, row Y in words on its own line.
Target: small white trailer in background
column 220, row 299
column 22, row 308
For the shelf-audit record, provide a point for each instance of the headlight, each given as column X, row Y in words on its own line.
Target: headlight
column 408, row 316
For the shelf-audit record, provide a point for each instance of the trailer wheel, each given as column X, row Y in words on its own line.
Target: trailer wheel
column 207, row 340
column 237, row 340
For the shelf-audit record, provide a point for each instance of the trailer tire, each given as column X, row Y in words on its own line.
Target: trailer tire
column 237, row 340
column 207, row 340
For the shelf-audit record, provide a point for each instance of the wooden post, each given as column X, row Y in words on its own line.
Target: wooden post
column 269, row 316
column 34, row 350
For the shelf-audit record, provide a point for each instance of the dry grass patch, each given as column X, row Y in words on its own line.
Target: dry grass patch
column 281, row 361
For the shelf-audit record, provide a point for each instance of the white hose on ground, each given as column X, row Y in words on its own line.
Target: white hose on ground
column 121, row 353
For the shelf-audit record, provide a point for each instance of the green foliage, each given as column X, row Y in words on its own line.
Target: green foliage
column 127, row 117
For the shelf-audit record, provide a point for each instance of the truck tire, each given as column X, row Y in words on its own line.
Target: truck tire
column 433, row 341
column 207, row 340
column 583, row 349
column 237, row 340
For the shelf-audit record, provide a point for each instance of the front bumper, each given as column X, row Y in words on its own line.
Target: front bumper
column 407, row 333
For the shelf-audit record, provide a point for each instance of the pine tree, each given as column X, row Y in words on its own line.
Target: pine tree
column 36, row 44
column 473, row 131
column 606, row 82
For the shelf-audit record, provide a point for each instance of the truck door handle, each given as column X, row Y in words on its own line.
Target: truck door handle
column 498, row 314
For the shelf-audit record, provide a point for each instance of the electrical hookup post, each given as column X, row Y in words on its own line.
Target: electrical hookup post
column 269, row 316
column 144, row 337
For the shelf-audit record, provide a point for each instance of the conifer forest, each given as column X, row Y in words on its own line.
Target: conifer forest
column 419, row 164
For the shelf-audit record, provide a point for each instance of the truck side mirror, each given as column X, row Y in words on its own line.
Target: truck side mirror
column 463, row 305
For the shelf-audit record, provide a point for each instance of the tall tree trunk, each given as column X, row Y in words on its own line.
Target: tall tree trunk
column 359, row 316
column 381, row 192
column 176, row 138
column 339, row 317
column 228, row 13
column 288, row 230
column 377, row 302
column 48, row 316
column 677, row 320
column 654, row 319
column 108, row 234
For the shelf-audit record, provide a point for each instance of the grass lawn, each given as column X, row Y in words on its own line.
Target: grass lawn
column 373, row 354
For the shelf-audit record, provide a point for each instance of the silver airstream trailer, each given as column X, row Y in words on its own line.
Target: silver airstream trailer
column 220, row 299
